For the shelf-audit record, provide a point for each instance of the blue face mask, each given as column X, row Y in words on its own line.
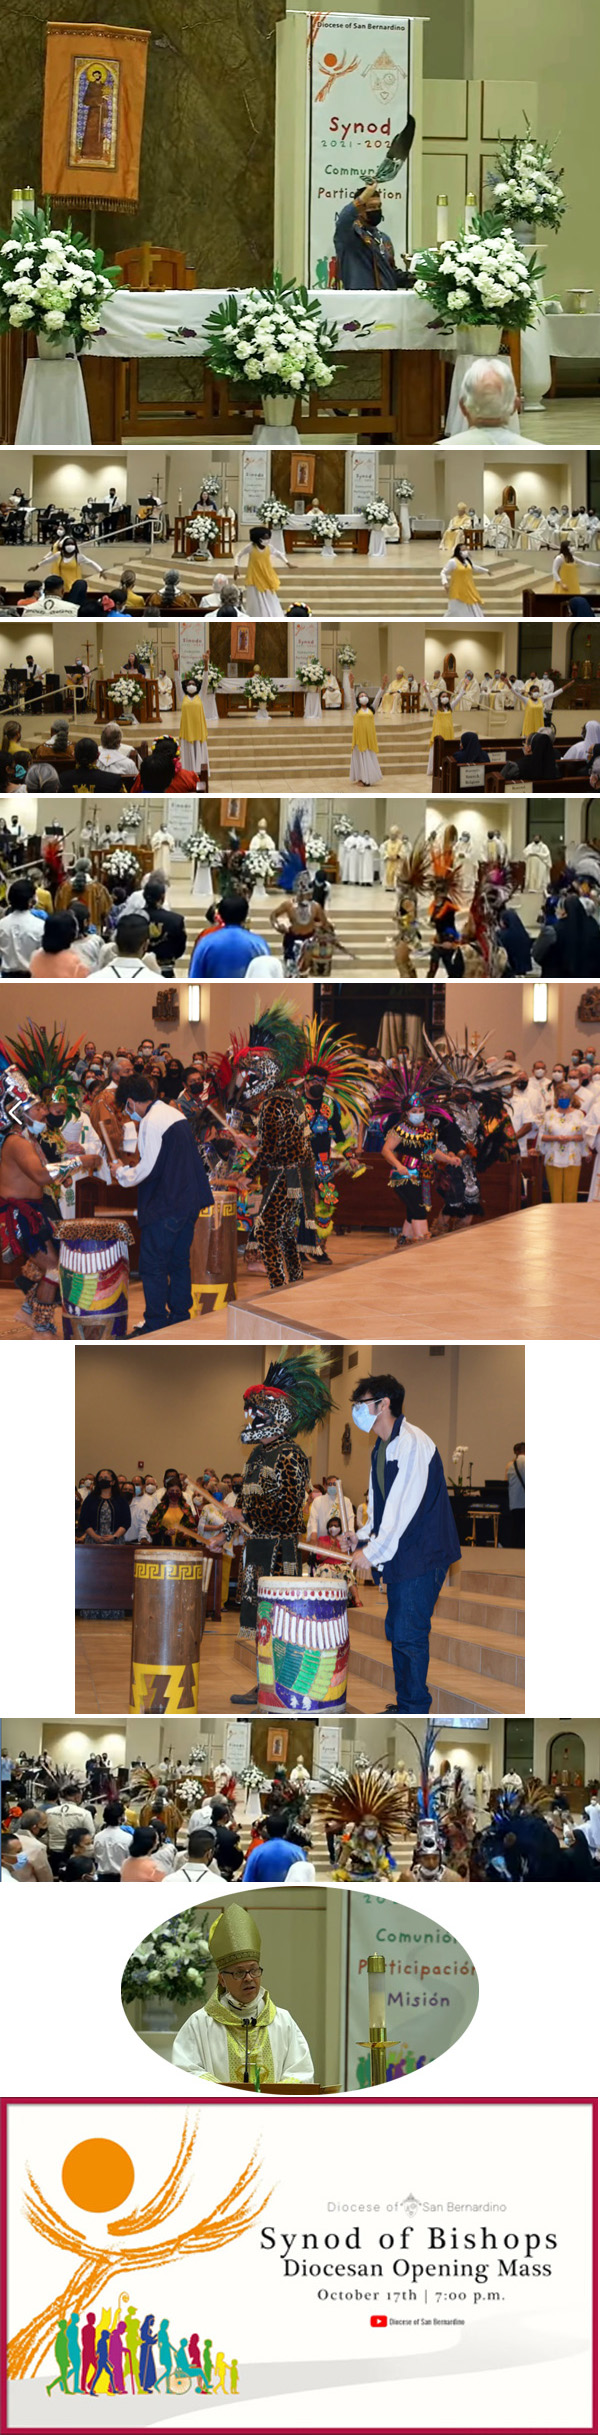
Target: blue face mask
column 563, row 1103
column 363, row 1417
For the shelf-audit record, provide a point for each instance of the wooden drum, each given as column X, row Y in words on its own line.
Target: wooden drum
column 93, row 1270
column 169, row 1607
column 213, row 1256
column 302, row 1644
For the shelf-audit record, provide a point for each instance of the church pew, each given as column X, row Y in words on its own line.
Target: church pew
column 367, row 1202
column 104, row 1579
column 551, row 604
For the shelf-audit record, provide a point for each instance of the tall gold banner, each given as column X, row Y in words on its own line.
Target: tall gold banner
column 94, row 92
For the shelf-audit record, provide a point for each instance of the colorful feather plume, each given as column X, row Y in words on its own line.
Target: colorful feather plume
column 47, row 1063
column 299, row 1377
column 365, row 1795
column 337, row 1061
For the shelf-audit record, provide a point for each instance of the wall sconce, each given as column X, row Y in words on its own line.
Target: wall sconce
column 193, row 1002
column 540, row 1001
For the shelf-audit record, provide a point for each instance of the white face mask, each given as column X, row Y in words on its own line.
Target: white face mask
column 363, row 1417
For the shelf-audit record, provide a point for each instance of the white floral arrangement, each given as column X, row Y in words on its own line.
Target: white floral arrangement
column 125, row 691
column 316, row 850
column 311, row 673
column 200, row 848
column 273, row 512
column 261, row 854
column 343, row 827
column 273, row 339
column 347, row 655
column 480, row 276
column 259, row 691
column 52, row 283
column 121, row 865
column 214, row 676
column 376, row 513
column 253, row 1779
column 324, row 527
column 131, row 821
column 404, row 489
column 528, row 185
column 202, row 529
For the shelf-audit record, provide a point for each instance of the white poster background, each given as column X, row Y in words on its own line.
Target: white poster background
column 180, row 816
column 256, row 481
column 358, row 70
column 430, row 1984
column 192, row 640
column 305, row 631
column 338, row 2190
column 364, row 478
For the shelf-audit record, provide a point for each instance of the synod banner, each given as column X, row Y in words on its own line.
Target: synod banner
column 94, row 92
column 431, row 1989
column 290, row 2263
column 358, row 71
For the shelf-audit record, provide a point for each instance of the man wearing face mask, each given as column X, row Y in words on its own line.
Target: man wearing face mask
column 172, row 1188
column 410, row 1538
column 365, row 255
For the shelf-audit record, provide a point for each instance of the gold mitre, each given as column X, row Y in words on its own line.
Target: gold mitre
column 234, row 1937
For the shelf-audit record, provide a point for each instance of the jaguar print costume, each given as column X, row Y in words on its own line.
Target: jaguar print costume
column 293, row 1397
column 283, row 1148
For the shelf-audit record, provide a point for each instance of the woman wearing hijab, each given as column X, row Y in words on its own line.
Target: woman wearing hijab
column 568, row 948
column 470, row 749
column 536, row 761
column 588, row 743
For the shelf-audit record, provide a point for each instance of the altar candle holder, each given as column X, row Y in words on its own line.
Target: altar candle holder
column 470, row 211
column 442, row 229
column 377, row 2019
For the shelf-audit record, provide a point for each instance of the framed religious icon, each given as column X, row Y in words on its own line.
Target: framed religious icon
column 233, row 811
column 243, row 641
column 302, row 475
column 277, row 1745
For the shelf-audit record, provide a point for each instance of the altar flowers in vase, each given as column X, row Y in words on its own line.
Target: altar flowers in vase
column 526, row 186
column 193, row 737
column 382, row 527
column 53, row 283
column 480, row 279
column 258, row 692
column 403, row 491
column 326, row 529
column 365, row 768
column 274, row 513
column 202, row 530
column 312, row 676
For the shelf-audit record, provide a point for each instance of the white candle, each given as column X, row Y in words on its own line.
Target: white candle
column 470, row 211
column 442, row 219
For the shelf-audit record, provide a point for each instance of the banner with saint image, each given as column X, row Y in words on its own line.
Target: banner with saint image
column 94, row 93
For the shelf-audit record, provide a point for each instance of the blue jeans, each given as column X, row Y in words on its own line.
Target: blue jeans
column 165, row 1271
column 408, row 1623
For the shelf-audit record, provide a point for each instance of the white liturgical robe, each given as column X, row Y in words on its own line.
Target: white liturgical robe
column 215, row 2048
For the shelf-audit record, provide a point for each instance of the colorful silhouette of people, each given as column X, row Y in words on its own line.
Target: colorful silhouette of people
column 74, row 2349
column 132, row 2338
column 147, row 2366
column 88, row 2348
column 196, row 2363
column 103, row 2366
column 165, row 2350
column 99, row 2357
column 61, row 2354
column 115, row 2353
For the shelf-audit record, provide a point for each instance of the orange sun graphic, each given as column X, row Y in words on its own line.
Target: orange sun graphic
column 98, row 2175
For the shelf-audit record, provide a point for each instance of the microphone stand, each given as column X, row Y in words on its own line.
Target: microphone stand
column 248, row 2025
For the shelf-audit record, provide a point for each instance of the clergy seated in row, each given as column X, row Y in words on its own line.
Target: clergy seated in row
column 240, row 2035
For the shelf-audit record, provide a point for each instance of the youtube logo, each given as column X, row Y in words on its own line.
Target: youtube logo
column 378, row 2320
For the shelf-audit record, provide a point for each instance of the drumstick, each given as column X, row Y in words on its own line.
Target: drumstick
column 326, row 1555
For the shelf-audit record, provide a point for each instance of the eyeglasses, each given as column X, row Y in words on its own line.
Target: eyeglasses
column 250, row 1970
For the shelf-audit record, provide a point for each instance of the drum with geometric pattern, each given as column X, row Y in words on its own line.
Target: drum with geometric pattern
column 169, row 1608
column 303, row 1646
column 93, row 1268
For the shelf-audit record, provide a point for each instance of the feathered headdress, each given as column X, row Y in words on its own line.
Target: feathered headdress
column 294, row 853
column 425, row 1747
column 409, row 1079
column 365, row 1795
column 467, row 1068
column 276, row 1034
column 296, row 1379
column 519, row 1842
column 337, row 1061
column 52, row 858
column 414, row 873
column 47, row 1063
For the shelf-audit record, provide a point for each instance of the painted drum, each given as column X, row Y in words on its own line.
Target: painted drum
column 169, row 1609
column 302, row 1644
column 213, row 1256
column 93, row 1273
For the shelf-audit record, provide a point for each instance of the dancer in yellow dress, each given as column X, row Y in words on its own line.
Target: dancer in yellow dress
column 442, row 725
column 193, row 731
column 533, row 715
column 365, row 766
column 458, row 580
column 262, row 582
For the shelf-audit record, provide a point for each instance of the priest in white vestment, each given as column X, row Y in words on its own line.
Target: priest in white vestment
column 240, row 2036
